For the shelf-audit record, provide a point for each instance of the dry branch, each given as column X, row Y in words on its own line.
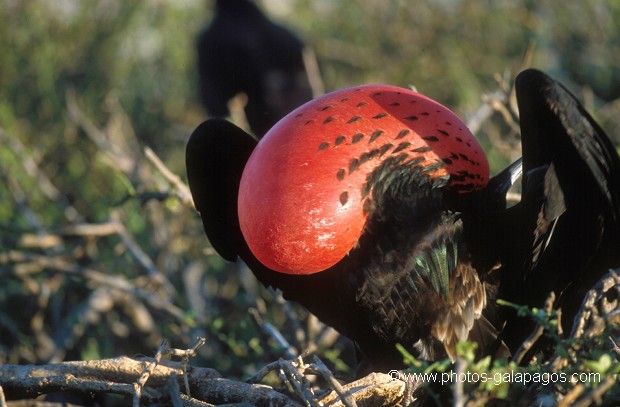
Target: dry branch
column 376, row 389
column 118, row 375
column 182, row 190
column 526, row 346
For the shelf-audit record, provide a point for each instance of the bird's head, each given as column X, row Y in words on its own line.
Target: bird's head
column 310, row 184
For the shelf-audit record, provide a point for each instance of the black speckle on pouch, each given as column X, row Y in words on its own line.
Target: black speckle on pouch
column 385, row 148
column 353, row 165
column 374, row 135
column 401, row 147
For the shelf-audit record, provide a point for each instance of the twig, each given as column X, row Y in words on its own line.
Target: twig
column 272, row 332
column 90, row 229
column 139, row 254
column 264, row 371
column 112, row 227
column 616, row 348
column 291, row 373
column 346, row 398
column 459, row 394
column 185, row 355
column 45, row 185
column 559, row 329
column 182, row 191
column 588, row 309
column 68, row 381
column 372, row 390
column 322, row 340
column 589, row 322
column 2, row 399
column 21, row 201
column 119, row 376
column 174, row 392
column 534, row 336
column 99, row 302
column 571, row 396
column 190, row 402
column 313, row 72
column 294, row 374
column 298, row 336
column 29, row 262
column 595, row 396
column 115, row 155
column 475, row 121
column 236, row 107
column 147, row 371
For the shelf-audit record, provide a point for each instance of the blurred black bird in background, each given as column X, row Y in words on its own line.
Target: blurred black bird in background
column 430, row 261
column 242, row 51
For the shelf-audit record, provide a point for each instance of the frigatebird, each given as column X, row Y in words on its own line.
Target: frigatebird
column 243, row 51
column 372, row 206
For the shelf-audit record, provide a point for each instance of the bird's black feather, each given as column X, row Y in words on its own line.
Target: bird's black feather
column 215, row 156
column 564, row 235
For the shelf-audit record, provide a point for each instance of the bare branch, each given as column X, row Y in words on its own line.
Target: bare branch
column 182, row 191
column 595, row 396
column 29, row 263
column 2, row 399
column 269, row 331
column 534, row 336
column 148, row 370
column 120, row 374
column 376, row 389
column 345, row 397
column 45, row 185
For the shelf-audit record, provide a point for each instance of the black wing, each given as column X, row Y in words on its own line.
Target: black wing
column 215, row 156
column 566, row 230
column 573, row 162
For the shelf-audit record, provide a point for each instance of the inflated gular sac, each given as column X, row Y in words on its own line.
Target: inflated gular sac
column 306, row 191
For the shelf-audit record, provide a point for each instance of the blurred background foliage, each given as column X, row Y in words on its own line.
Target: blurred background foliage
column 85, row 86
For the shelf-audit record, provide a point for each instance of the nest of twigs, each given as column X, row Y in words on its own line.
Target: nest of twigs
column 582, row 373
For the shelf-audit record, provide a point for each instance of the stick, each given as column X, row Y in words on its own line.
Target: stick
column 182, row 190
column 534, row 336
